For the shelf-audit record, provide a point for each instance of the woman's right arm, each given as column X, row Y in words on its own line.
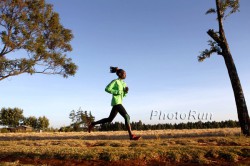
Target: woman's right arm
column 110, row 88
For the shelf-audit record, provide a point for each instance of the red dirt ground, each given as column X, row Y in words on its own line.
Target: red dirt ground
column 70, row 162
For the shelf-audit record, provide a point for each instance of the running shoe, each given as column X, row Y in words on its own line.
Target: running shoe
column 134, row 137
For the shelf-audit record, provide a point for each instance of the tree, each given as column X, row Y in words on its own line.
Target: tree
column 72, row 116
column 43, row 123
column 139, row 125
column 80, row 118
column 219, row 45
column 11, row 116
column 86, row 118
column 79, row 115
column 31, row 121
column 91, row 118
column 33, row 28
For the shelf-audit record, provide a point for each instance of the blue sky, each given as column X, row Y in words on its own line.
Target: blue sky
column 157, row 43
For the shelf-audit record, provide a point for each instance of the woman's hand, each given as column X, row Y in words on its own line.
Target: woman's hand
column 126, row 89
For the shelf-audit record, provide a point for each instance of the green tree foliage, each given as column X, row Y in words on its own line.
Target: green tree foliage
column 11, row 116
column 33, row 28
column 42, row 123
column 86, row 118
column 31, row 121
column 72, row 116
column 224, row 9
column 80, row 119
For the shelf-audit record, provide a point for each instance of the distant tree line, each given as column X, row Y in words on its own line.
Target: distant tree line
column 80, row 120
column 13, row 117
column 118, row 126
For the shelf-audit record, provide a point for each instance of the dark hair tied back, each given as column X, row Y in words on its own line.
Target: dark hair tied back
column 113, row 69
column 116, row 70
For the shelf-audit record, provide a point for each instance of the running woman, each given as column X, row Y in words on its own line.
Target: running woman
column 118, row 89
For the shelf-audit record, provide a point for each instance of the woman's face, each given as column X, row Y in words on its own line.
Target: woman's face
column 122, row 75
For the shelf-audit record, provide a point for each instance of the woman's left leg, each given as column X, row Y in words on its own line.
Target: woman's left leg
column 125, row 115
column 112, row 115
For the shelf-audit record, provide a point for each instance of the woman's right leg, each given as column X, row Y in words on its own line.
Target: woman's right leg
column 126, row 117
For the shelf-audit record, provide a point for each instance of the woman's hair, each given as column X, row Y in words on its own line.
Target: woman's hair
column 115, row 70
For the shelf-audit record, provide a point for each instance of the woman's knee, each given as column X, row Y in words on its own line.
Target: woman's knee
column 110, row 119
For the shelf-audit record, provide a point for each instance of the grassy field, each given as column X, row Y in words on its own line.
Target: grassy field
column 159, row 147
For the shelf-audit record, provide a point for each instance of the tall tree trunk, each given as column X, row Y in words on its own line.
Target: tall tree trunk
column 235, row 81
column 238, row 94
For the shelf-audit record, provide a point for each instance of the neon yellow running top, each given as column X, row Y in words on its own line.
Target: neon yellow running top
column 116, row 88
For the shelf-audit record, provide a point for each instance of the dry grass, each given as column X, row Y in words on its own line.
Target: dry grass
column 120, row 135
column 210, row 146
